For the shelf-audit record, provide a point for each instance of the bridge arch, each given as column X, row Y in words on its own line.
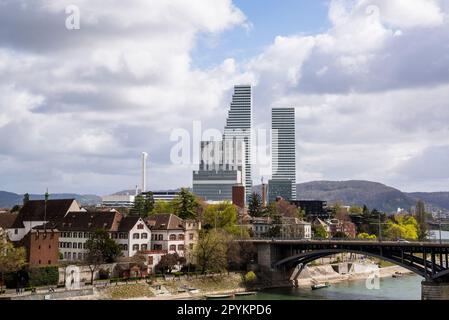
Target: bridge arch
column 406, row 261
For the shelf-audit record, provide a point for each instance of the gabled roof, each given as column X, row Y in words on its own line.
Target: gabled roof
column 127, row 223
column 7, row 220
column 165, row 221
column 34, row 210
column 88, row 221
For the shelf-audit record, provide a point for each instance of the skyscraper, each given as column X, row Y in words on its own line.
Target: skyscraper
column 283, row 147
column 239, row 125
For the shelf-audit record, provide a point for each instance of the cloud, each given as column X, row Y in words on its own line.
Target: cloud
column 78, row 106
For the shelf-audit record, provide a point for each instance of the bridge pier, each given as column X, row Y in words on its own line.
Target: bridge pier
column 434, row 291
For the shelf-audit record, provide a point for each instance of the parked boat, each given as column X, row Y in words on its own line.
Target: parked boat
column 397, row 275
column 320, row 286
column 218, row 296
column 250, row 293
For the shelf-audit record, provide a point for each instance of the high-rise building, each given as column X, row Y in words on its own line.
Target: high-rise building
column 239, row 126
column 283, row 147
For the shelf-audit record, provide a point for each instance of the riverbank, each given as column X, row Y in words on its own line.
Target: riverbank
column 357, row 271
column 232, row 283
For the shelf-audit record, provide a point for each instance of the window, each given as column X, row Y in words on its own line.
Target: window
column 69, row 256
column 125, row 247
column 39, row 261
column 80, row 234
column 16, row 231
column 144, row 236
column 190, row 236
column 80, row 256
column 49, row 262
column 143, row 247
column 69, row 234
column 80, row 245
column 39, row 247
column 181, row 237
column 161, row 237
column 114, row 236
column 191, row 246
column 135, row 236
column 173, row 237
column 135, row 247
column 180, row 247
column 172, row 247
column 157, row 247
column 120, row 236
column 86, row 235
column 75, row 235
column 84, row 245
column 74, row 245
column 65, row 255
column 140, row 226
column 74, row 256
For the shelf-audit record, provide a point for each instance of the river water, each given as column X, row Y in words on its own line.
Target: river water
column 408, row 287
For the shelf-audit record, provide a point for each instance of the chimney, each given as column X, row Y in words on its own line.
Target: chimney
column 264, row 194
column 144, row 171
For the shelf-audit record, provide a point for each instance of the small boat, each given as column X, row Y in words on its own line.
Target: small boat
column 397, row 275
column 320, row 286
column 250, row 293
column 193, row 290
column 218, row 296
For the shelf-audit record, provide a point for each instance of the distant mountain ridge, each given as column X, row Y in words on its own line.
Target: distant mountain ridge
column 372, row 194
column 10, row 199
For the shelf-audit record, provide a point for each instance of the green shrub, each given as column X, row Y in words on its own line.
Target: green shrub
column 44, row 276
column 250, row 277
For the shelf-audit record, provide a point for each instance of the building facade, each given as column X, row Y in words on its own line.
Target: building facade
column 283, row 147
column 239, row 126
column 279, row 188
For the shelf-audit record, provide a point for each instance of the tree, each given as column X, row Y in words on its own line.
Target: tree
column 168, row 262
column 11, row 259
column 402, row 227
column 26, row 198
column 340, row 235
column 210, row 252
column 319, row 232
column 143, row 205
column 355, row 210
column 255, row 205
column 101, row 249
column 250, row 277
column 288, row 210
column 423, row 228
column 366, row 236
column 163, row 207
column 222, row 216
column 185, row 205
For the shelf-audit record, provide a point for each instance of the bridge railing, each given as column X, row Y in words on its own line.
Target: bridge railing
column 262, row 238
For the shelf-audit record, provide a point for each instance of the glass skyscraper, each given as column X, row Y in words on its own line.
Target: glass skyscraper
column 283, row 147
column 239, row 126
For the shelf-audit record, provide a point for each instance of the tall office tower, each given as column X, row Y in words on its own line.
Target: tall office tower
column 239, row 125
column 283, row 146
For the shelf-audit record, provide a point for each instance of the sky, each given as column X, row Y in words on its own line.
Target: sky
column 369, row 80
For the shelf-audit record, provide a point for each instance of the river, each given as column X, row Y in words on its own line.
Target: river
column 407, row 287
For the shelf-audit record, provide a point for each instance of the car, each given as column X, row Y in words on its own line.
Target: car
column 403, row 241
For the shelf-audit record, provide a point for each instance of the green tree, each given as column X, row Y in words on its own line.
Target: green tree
column 340, row 235
column 423, row 227
column 255, row 205
column 250, row 277
column 186, row 205
column 222, row 216
column 26, row 198
column 319, row 232
column 402, row 227
column 143, row 205
column 355, row 210
column 101, row 249
column 366, row 236
column 211, row 251
column 163, row 207
column 168, row 262
column 12, row 259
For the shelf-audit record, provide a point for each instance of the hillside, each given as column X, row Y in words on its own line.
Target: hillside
column 371, row 194
column 437, row 200
column 9, row 199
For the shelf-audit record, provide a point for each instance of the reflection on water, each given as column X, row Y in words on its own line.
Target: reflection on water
column 407, row 287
